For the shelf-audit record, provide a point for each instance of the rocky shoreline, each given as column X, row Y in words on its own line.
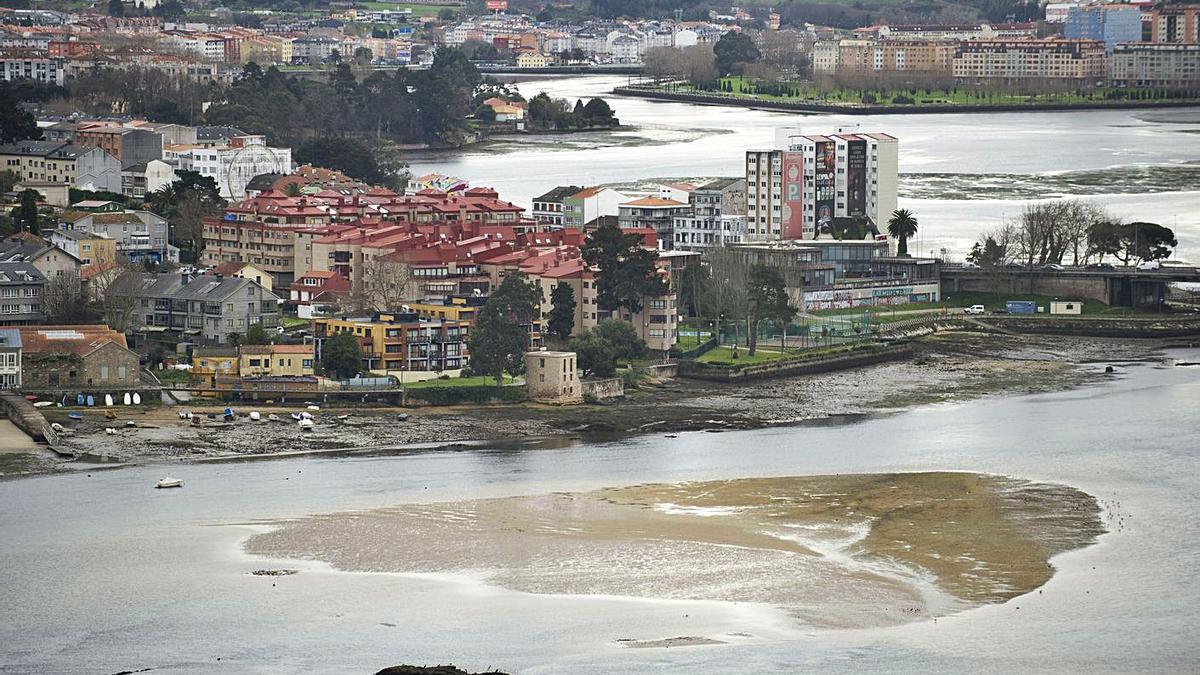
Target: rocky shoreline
column 945, row 367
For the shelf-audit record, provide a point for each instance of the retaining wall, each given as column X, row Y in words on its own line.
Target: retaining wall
column 603, row 390
column 794, row 367
column 27, row 418
column 1099, row 327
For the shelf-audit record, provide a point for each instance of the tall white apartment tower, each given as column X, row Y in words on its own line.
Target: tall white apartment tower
column 795, row 190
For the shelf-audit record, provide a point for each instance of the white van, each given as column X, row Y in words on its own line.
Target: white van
column 975, row 309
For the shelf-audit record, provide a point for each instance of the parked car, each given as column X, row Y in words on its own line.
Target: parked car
column 1100, row 266
column 975, row 309
column 1051, row 266
column 1014, row 265
column 1149, row 265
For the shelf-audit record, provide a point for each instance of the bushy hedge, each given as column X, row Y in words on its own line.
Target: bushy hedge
column 457, row 395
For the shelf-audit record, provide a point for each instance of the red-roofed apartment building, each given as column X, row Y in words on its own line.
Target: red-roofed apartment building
column 276, row 231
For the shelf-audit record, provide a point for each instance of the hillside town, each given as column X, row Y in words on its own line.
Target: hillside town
column 599, row 336
column 1137, row 45
column 255, row 297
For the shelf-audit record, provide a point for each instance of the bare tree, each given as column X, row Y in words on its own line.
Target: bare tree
column 663, row 63
column 785, row 51
column 121, row 298
column 700, row 64
column 727, row 294
column 385, row 284
column 1047, row 231
column 62, row 299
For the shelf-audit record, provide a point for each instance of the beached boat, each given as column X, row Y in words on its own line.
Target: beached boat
column 402, row 417
column 343, row 418
column 43, row 404
column 255, row 417
column 306, row 424
column 75, row 416
column 273, row 417
column 169, row 483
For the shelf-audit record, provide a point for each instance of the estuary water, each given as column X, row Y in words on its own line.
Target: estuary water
column 102, row 573
column 960, row 173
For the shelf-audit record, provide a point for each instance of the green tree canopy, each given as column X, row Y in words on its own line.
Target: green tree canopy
column 346, row 154
column 500, row 336
column 341, row 355
column 25, row 216
column 768, row 300
column 256, row 335
column 624, row 339
column 594, row 354
column 903, row 226
column 733, row 50
column 16, row 124
column 626, row 270
column 561, row 320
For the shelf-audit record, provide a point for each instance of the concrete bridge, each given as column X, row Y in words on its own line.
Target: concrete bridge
column 1116, row 286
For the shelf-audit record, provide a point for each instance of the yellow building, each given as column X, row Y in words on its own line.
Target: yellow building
column 458, row 308
column 402, row 341
column 533, row 59
column 209, row 363
column 276, row 360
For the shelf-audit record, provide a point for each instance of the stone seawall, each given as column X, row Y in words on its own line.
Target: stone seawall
column 1166, row 327
column 794, row 367
column 603, row 390
column 27, row 418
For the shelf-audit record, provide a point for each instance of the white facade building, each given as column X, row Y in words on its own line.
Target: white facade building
column 235, row 165
column 796, row 190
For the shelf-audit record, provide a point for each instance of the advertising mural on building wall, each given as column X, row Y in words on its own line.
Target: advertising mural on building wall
column 793, row 195
column 496, row 5
column 856, row 178
column 826, row 166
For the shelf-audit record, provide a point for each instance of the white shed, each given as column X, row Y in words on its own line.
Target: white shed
column 1066, row 307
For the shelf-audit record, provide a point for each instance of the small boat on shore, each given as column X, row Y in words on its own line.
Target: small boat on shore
column 402, row 417
column 254, row 417
column 75, row 416
column 306, row 424
column 43, row 404
column 169, row 483
column 273, row 417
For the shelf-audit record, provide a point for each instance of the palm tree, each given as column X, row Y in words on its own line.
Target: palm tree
column 902, row 226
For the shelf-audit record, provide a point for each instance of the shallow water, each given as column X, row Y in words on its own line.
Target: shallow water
column 1140, row 163
column 104, row 573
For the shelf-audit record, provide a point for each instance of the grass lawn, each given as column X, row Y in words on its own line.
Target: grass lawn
column 810, row 92
column 172, row 376
column 417, row 10
column 690, row 339
column 293, row 322
column 724, row 355
column 478, row 380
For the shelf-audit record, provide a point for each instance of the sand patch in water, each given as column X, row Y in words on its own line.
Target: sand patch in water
column 834, row 551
